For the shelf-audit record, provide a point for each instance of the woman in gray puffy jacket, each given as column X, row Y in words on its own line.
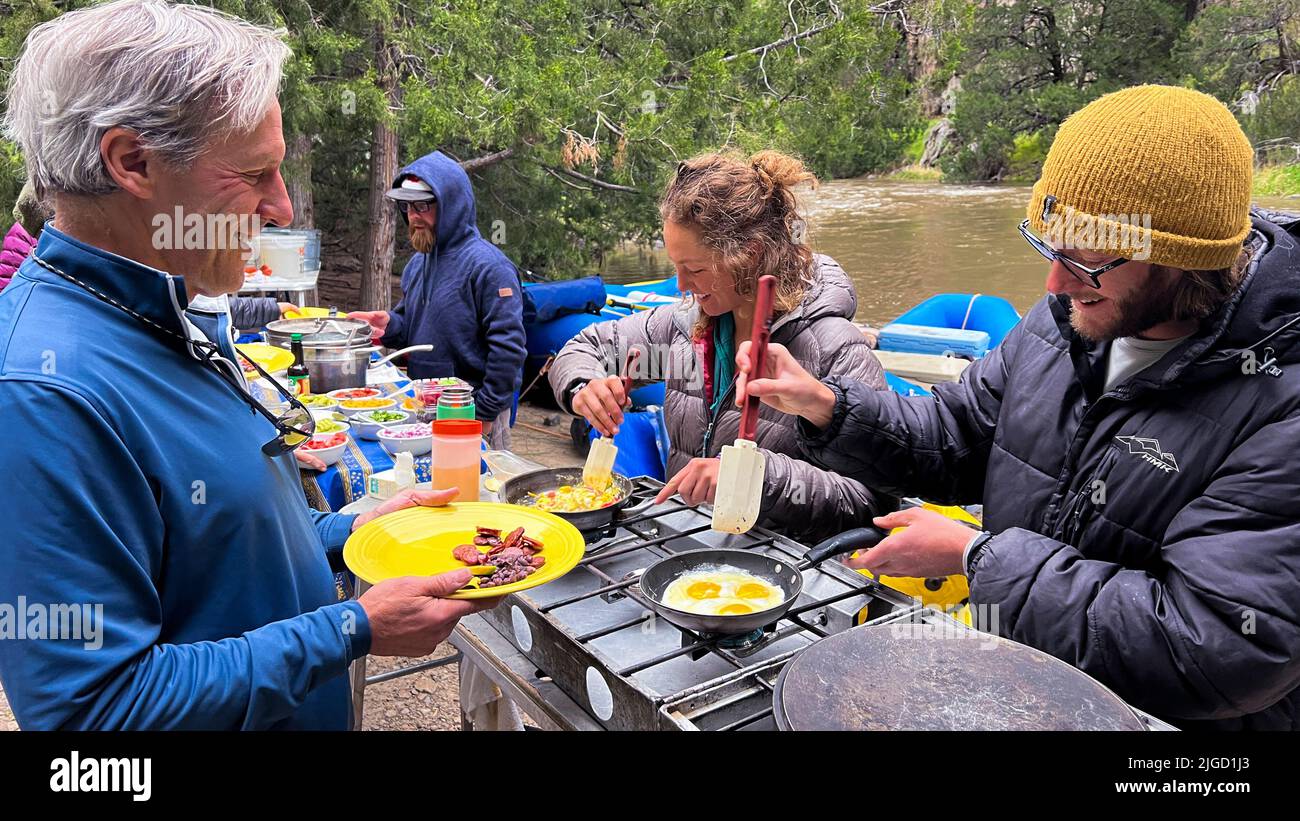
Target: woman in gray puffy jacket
column 727, row 221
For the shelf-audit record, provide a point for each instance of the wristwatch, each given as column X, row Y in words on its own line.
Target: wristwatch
column 573, row 391
column 974, row 550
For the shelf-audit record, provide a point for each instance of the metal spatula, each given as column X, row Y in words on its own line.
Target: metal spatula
column 740, row 476
column 599, row 467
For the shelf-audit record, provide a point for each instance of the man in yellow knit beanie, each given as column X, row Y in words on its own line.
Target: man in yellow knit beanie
column 1132, row 440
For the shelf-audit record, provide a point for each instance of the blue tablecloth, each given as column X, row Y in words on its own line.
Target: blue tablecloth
column 345, row 481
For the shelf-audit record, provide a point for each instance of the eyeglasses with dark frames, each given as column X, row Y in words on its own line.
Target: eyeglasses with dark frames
column 294, row 425
column 1088, row 276
column 422, row 207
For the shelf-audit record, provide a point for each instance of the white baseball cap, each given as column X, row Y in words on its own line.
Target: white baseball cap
column 412, row 189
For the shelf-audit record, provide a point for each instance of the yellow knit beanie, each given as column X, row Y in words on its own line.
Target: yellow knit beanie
column 1157, row 173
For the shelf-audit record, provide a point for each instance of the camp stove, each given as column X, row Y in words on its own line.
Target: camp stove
column 584, row 652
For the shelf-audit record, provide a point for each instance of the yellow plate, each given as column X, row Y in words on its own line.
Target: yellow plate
column 270, row 357
column 418, row 542
column 309, row 313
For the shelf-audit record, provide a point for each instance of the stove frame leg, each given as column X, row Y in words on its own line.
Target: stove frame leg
column 358, row 675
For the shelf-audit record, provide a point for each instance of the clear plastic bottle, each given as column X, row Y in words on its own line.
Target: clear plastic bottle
column 456, row 457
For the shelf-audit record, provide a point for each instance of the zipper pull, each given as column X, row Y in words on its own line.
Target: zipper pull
column 708, row 439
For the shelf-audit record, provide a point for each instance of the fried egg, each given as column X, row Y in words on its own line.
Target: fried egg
column 722, row 591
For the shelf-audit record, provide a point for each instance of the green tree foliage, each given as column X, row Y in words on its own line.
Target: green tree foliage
column 600, row 99
column 1028, row 64
column 581, row 109
column 1236, row 48
column 592, row 103
column 1247, row 53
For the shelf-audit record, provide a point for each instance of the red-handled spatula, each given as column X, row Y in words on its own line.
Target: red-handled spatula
column 740, row 477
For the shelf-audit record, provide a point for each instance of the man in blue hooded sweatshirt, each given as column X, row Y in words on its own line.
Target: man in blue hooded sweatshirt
column 460, row 293
column 160, row 568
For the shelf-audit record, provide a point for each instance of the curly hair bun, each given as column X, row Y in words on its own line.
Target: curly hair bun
column 782, row 170
column 746, row 212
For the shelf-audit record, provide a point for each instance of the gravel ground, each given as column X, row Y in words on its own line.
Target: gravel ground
column 421, row 701
column 7, row 721
column 429, row 700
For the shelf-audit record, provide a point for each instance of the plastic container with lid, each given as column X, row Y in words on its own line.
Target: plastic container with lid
column 283, row 253
column 456, row 456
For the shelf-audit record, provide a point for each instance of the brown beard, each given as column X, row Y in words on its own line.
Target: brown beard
column 1147, row 307
column 421, row 239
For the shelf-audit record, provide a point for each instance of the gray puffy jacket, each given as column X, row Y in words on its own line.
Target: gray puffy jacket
column 799, row 499
column 1148, row 535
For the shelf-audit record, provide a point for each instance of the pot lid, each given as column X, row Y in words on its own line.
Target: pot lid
column 909, row 676
column 323, row 331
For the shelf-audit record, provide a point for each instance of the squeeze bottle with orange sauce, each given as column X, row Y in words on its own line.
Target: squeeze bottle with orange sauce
column 455, row 456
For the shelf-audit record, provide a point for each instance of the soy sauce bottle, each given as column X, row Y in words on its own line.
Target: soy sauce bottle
column 299, row 378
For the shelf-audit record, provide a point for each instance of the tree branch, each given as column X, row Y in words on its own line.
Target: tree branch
column 608, row 186
column 785, row 41
column 479, row 163
column 557, row 176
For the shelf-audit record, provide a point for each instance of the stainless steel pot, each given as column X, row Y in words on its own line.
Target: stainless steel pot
column 336, row 349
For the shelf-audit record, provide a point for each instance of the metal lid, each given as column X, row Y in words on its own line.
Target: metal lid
column 322, row 332
column 908, row 676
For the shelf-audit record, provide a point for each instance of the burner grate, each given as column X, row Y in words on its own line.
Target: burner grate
column 622, row 663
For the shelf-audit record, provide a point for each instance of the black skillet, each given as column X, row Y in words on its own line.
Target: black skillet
column 787, row 575
column 520, row 489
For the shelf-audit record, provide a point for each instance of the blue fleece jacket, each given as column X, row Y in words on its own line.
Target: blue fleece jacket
column 464, row 298
column 139, row 484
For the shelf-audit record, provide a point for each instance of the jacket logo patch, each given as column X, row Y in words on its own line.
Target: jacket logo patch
column 1149, row 450
column 505, row 292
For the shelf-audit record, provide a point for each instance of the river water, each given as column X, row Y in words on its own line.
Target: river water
column 903, row 241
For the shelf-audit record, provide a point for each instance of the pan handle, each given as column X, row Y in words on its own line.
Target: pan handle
column 857, row 538
column 630, row 509
column 636, row 593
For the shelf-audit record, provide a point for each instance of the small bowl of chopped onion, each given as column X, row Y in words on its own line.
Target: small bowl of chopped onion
column 414, row 439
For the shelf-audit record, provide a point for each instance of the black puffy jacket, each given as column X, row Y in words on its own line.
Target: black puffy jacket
column 1149, row 535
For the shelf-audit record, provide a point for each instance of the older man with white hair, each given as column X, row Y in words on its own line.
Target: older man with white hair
column 158, row 499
